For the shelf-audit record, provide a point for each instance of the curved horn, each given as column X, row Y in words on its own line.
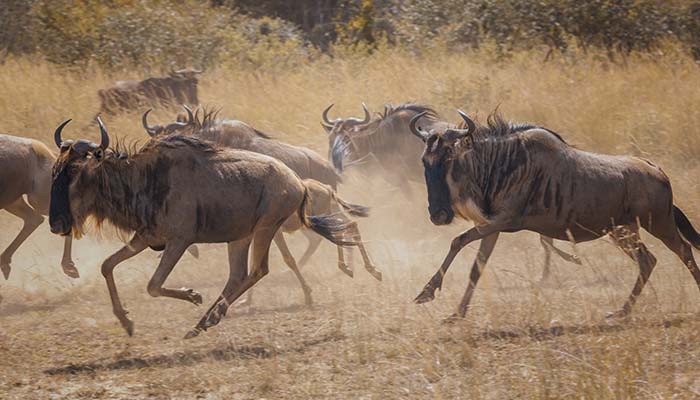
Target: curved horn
column 470, row 123
column 325, row 116
column 151, row 130
column 367, row 116
column 57, row 133
column 104, row 142
column 190, row 116
column 422, row 135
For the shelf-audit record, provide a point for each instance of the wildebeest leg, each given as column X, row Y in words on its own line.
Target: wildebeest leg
column 238, row 267
column 355, row 232
column 292, row 264
column 67, row 261
column 682, row 249
column 627, row 238
column 134, row 247
column 262, row 240
column 342, row 265
column 485, row 249
column 458, row 244
column 314, row 242
column 31, row 219
column 548, row 245
column 171, row 255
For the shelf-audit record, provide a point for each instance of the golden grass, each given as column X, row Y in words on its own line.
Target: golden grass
column 366, row 339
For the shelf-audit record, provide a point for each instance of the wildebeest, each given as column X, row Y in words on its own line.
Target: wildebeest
column 508, row 177
column 385, row 144
column 25, row 170
column 239, row 135
column 175, row 191
column 177, row 88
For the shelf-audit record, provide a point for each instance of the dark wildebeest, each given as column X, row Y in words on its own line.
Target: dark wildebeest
column 179, row 190
column 177, row 88
column 507, row 178
column 25, row 170
column 239, row 135
column 385, row 143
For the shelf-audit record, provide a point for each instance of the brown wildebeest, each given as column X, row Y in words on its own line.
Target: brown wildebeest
column 387, row 140
column 25, row 170
column 177, row 88
column 179, row 190
column 239, row 135
column 507, row 178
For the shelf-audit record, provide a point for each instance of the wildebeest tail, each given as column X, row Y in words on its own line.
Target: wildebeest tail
column 353, row 209
column 328, row 226
column 686, row 228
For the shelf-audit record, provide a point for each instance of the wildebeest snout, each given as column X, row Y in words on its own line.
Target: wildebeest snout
column 60, row 225
column 441, row 217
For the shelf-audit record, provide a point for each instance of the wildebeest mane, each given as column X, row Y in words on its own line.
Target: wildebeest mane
column 497, row 127
column 415, row 107
column 210, row 120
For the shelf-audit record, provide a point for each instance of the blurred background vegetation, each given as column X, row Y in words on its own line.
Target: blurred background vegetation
column 128, row 34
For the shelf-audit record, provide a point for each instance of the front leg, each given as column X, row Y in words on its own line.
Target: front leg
column 134, row 247
column 67, row 261
column 457, row 245
column 171, row 255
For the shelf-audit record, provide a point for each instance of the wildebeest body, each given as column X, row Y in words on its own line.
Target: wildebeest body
column 25, row 170
column 508, row 178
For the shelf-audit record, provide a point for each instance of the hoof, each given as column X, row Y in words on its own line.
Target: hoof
column 308, row 301
column 128, row 325
column 347, row 271
column 215, row 316
column 576, row 260
column 451, row 319
column 617, row 314
column 193, row 297
column 428, row 294
column 193, row 333
column 70, row 270
column 5, row 268
column 375, row 273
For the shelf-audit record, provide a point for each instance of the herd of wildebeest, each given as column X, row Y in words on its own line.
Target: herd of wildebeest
column 206, row 179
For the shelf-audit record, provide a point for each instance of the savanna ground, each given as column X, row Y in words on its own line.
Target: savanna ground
column 364, row 339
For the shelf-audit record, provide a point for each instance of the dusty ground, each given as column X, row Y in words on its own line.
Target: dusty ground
column 361, row 339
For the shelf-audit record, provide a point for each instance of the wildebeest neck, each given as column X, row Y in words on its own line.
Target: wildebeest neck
column 129, row 194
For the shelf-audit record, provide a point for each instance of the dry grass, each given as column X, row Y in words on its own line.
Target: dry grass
column 365, row 339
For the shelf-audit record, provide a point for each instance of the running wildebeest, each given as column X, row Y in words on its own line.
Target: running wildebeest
column 385, row 143
column 508, row 177
column 239, row 135
column 25, row 170
column 178, row 87
column 175, row 191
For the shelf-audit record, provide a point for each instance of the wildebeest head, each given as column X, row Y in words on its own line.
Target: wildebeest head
column 440, row 151
column 74, row 157
column 170, row 128
column 342, row 149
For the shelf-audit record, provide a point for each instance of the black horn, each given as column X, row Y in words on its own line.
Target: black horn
column 151, row 130
column 190, row 116
column 104, row 141
column 470, row 123
column 57, row 133
column 325, row 116
column 416, row 130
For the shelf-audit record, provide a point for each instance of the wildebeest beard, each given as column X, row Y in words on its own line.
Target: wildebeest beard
column 60, row 217
column 439, row 200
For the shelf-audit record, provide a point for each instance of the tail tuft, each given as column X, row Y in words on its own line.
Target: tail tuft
column 328, row 226
column 353, row 209
column 686, row 228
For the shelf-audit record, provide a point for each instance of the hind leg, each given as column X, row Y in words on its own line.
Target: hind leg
column 675, row 243
column 342, row 265
column 627, row 238
column 355, row 232
column 314, row 242
column 262, row 239
column 292, row 264
column 31, row 219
